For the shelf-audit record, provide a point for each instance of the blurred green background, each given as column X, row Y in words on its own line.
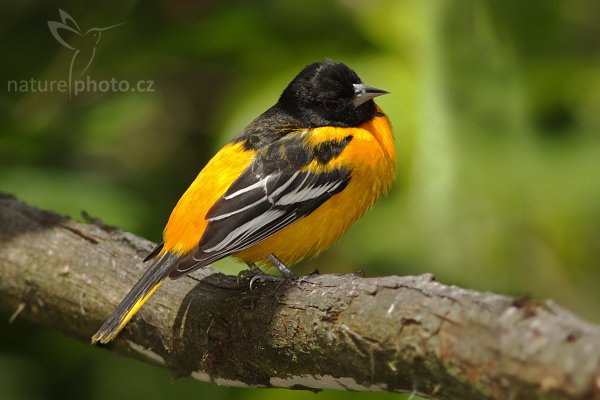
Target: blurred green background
column 496, row 110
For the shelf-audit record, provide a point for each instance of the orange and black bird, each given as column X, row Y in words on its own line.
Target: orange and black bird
column 286, row 188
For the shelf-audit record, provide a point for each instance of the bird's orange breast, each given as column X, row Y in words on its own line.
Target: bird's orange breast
column 371, row 158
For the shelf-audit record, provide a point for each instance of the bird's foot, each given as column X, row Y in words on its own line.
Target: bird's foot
column 254, row 274
column 249, row 274
column 266, row 278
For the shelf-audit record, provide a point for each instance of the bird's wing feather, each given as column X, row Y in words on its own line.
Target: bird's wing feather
column 257, row 205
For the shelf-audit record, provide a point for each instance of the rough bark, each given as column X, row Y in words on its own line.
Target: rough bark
column 342, row 332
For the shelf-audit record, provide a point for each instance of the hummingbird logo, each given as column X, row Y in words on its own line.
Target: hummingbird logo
column 83, row 44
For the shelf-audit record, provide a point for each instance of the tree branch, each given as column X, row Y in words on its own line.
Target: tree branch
column 340, row 332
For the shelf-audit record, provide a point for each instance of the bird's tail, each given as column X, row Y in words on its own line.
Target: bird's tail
column 143, row 289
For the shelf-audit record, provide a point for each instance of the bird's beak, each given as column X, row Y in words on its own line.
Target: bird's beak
column 364, row 93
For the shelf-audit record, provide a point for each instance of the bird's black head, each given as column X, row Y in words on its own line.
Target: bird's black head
column 327, row 93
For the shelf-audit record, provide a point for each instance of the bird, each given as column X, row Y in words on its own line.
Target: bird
column 284, row 189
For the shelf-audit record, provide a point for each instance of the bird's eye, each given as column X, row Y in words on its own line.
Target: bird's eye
column 330, row 104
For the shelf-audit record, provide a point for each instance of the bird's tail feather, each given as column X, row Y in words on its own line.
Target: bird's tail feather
column 143, row 289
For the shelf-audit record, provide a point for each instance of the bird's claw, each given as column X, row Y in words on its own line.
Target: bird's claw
column 246, row 274
column 254, row 279
column 282, row 280
column 264, row 278
column 254, row 275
